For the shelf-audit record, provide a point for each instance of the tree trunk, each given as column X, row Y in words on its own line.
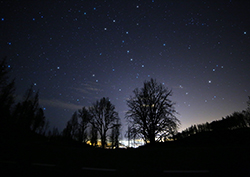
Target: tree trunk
column 103, row 139
column 152, row 134
column 152, row 139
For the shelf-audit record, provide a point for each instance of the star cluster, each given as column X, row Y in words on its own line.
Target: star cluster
column 75, row 52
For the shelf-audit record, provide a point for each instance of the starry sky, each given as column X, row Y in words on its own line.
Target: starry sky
column 75, row 52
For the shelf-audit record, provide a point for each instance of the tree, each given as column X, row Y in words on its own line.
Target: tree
column 28, row 116
column 247, row 112
column 7, row 90
column 71, row 129
column 115, row 133
column 84, row 123
column 151, row 113
column 93, row 135
column 103, row 116
column 38, row 123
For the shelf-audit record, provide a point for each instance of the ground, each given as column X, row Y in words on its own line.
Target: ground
column 41, row 159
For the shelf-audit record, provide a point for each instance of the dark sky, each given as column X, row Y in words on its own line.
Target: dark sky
column 75, row 52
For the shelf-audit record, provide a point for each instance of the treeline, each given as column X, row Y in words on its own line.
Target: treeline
column 97, row 122
column 25, row 120
column 151, row 116
column 237, row 120
column 19, row 121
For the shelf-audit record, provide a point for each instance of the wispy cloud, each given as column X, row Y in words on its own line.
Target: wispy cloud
column 88, row 88
column 59, row 104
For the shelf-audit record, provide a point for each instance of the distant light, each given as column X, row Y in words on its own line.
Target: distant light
column 131, row 59
column 142, row 66
column 127, row 32
column 9, row 43
column 58, row 67
column 44, row 109
column 114, row 21
column 105, row 29
column 2, row 19
column 127, row 51
column 96, row 80
column 209, row 82
column 94, row 8
column 164, row 44
column 244, row 31
column 35, row 84
column 33, row 19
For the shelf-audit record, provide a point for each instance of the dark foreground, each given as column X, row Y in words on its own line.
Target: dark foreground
column 39, row 159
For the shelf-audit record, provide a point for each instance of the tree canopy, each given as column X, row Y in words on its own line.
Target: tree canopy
column 103, row 117
column 21, row 119
column 151, row 113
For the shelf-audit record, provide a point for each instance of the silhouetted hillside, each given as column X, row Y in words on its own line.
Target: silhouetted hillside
column 237, row 137
column 224, row 137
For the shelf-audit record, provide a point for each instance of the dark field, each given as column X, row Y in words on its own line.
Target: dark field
column 42, row 159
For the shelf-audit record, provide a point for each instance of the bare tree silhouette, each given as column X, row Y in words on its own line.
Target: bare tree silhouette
column 71, row 129
column 151, row 113
column 93, row 135
column 115, row 135
column 84, row 124
column 103, row 117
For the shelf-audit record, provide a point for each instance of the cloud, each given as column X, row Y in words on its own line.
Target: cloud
column 88, row 88
column 59, row 104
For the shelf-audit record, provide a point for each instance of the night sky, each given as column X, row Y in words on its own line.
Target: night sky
column 75, row 52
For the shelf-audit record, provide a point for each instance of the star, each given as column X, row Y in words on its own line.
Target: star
column 64, row 52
